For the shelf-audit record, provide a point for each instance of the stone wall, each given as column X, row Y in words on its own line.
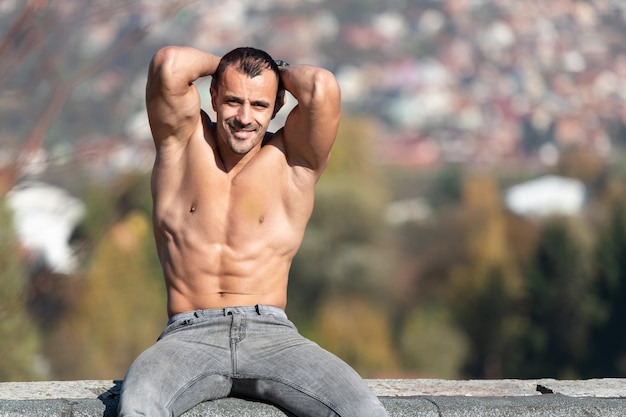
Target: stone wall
column 405, row 397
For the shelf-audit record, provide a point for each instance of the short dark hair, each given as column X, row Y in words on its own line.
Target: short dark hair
column 250, row 61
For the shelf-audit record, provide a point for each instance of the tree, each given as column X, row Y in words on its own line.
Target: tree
column 432, row 345
column 344, row 266
column 607, row 356
column 357, row 331
column 50, row 54
column 20, row 347
column 560, row 301
column 486, row 286
column 344, row 250
column 44, row 58
column 121, row 310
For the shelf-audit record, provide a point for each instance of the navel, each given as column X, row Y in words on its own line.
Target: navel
column 193, row 208
column 261, row 219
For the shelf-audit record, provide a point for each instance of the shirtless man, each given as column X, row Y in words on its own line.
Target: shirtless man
column 231, row 203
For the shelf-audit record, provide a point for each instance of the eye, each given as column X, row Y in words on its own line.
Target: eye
column 261, row 105
column 232, row 100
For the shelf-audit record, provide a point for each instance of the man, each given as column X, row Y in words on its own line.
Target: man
column 231, row 203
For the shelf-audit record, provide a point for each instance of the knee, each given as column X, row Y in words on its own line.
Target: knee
column 139, row 402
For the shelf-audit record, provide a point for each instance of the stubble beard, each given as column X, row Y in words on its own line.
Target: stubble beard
column 240, row 148
column 243, row 146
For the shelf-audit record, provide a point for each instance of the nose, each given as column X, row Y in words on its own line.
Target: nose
column 244, row 115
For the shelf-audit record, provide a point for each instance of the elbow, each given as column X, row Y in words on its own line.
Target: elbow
column 324, row 88
column 164, row 59
column 166, row 71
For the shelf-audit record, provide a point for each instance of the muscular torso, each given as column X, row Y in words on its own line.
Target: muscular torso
column 227, row 238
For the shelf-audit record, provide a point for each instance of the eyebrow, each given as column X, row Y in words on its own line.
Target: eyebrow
column 261, row 103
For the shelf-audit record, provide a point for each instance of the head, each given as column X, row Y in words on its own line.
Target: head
column 246, row 94
column 251, row 62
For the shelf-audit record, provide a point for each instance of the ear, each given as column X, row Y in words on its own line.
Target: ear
column 280, row 102
column 213, row 97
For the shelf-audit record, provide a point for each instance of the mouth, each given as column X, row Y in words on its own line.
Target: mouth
column 242, row 133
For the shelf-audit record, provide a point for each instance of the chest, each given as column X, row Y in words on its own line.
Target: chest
column 207, row 197
column 196, row 196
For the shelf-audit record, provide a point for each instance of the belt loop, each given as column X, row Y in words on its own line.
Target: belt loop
column 258, row 309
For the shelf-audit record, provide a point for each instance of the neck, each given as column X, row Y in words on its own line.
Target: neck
column 230, row 161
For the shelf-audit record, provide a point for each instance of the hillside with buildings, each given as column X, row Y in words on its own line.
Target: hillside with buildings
column 479, row 82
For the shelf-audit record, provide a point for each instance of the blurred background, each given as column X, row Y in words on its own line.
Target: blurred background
column 472, row 223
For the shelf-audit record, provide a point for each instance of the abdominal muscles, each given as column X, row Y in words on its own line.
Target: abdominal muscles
column 244, row 265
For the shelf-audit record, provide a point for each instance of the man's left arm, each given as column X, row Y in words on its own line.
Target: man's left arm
column 311, row 127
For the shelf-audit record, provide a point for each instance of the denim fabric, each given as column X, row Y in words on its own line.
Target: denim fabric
column 253, row 353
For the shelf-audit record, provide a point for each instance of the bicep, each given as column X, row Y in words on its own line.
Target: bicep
column 173, row 116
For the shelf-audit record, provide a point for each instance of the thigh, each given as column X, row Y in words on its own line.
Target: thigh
column 184, row 368
column 298, row 375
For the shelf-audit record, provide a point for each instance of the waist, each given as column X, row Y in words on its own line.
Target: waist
column 259, row 309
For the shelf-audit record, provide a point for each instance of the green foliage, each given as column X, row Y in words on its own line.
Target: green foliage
column 100, row 204
column 485, row 286
column 529, row 298
column 486, row 308
column 344, row 249
column 608, row 352
column 352, row 153
column 581, row 164
column 447, row 187
column 560, row 300
column 92, row 329
column 109, row 202
column 121, row 310
column 20, row 346
column 473, row 291
column 340, row 278
column 343, row 252
column 432, row 346
column 357, row 331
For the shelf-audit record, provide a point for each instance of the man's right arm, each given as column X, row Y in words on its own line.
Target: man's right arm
column 172, row 101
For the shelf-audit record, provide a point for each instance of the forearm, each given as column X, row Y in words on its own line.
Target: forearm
column 177, row 67
column 309, row 85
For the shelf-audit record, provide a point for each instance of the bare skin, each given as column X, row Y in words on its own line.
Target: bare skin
column 229, row 213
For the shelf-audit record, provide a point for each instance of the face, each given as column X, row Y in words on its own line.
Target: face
column 244, row 108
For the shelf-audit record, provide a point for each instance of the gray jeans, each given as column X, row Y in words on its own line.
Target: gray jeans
column 253, row 353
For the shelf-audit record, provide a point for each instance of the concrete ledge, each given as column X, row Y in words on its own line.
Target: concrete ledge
column 402, row 398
